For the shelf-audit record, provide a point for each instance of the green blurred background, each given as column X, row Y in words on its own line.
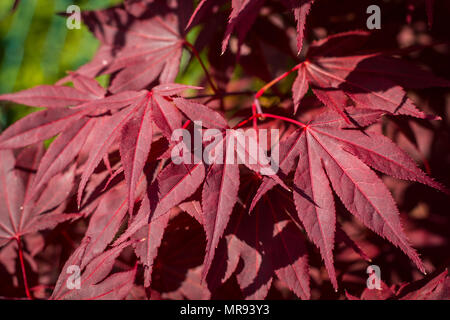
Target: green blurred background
column 36, row 47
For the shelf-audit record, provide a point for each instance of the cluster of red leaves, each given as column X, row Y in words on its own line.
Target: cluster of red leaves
column 148, row 227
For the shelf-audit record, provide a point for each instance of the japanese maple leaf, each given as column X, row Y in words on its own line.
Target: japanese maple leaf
column 52, row 96
column 437, row 288
column 106, row 220
column 16, row 177
column 330, row 156
column 101, row 184
column 175, row 184
column 245, row 12
column 139, row 49
column 137, row 135
column 131, row 117
column 268, row 242
column 301, row 10
column 110, row 214
column 373, row 81
column 132, row 126
column 220, row 190
column 95, row 280
column 219, row 195
column 56, row 118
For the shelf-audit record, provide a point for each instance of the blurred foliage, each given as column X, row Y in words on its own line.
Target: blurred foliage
column 37, row 48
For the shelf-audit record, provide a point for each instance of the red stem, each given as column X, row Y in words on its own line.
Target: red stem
column 269, row 115
column 240, row 124
column 254, row 112
column 22, row 265
column 197, row 55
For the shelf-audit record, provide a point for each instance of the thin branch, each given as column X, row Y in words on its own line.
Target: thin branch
column 269, row 115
